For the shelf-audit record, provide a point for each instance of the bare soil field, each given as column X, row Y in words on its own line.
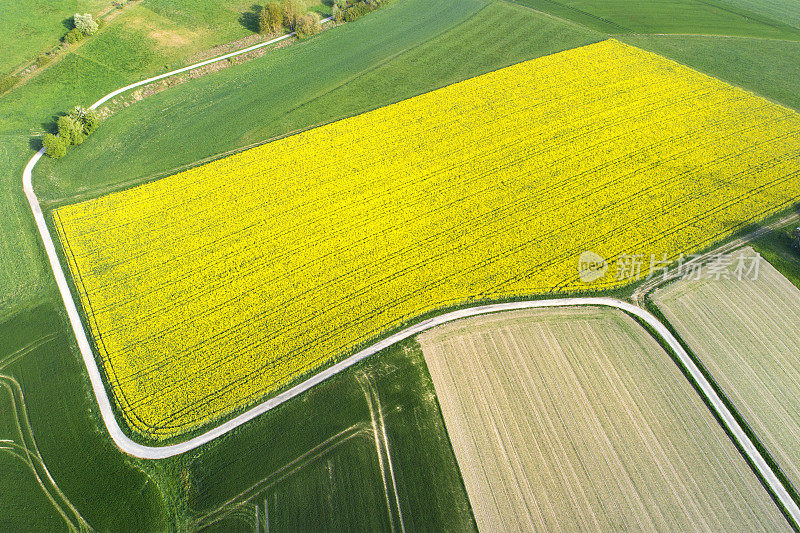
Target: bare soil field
column 577, row 419
column 747, row 334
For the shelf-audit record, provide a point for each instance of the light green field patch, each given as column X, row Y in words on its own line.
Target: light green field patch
column 787, row 11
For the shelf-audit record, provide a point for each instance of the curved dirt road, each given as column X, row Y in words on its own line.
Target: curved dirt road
column 161, row 452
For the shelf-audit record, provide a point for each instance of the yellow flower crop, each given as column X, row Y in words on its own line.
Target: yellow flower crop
column 211, row 289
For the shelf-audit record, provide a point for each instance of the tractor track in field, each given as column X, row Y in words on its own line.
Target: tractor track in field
column 133, row 448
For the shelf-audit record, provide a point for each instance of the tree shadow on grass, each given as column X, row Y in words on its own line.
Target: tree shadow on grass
column 249, row 19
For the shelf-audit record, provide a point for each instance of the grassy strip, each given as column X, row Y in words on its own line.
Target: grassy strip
column 777, row 248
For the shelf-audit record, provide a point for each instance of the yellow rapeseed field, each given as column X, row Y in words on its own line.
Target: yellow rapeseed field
column 211, row 289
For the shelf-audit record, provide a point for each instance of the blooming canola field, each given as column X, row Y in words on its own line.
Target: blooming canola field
column 212, row 289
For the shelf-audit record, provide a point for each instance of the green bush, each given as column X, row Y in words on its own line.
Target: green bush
column 6, row 83
column 54, row 146
column 70, row 130
column 85, row 23
column 86, row 120
column 338, row 9
column 307, row 25
column 91, row 120
column 270, row 20
column 73, row 36
column 356, row 10
column 292, row 10
column 43, row 59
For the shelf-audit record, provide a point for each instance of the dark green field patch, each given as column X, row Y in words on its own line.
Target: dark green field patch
column 315, row 458
column 29, row 509
column 38, row 352
column 666, row 16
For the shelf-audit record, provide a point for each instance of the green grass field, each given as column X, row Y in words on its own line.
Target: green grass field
column 222, row 19
column 667, row 16
column 282, row 470
column 787, row 11
column 38, row 353
column 30, row 509
column 33, row 27
column 406, row 48
column 160, row 27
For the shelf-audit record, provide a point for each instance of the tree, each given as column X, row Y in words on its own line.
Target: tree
column 307, row 25
column 73, row 36
column 70, row 130
column 85, row 23
column 356, row 10
column 796, row 238
column 270, row 20
column 91, row 120
column 54, row 146
column 338, row 9
column 292, row 10
column 77, row 113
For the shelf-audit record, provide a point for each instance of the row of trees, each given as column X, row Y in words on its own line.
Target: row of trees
column 289, row 14
column 72, row 130
column 349, row 10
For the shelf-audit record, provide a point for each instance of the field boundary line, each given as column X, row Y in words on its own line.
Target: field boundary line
column 705, row 35
column 161, row 452
column 133, row 448
column 640, row 294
